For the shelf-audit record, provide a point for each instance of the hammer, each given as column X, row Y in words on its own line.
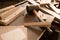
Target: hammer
column 34, row 10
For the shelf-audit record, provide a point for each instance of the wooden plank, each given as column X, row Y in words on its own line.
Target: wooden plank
column 54, row 8
column 39, row 24
column 50, row 12
column 9, row 12
column 45, row 1
column 6, row 8
column 33, row 2
column 13, row 16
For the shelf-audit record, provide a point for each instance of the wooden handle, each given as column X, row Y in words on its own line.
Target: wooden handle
column 40, row 24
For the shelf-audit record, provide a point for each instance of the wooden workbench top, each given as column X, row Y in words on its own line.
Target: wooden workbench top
column 5, row 30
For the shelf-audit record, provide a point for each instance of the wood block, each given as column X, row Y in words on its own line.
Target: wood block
column 13, row 16
column 8, row 12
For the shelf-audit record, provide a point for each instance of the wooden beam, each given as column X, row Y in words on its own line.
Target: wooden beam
column 45, row 1
column 39, row 24
column 33, row 2
column 9, row 12
column 51, row 6
column 50, row 12
column 13, row 16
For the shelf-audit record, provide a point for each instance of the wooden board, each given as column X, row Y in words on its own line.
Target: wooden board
column 45, row 1
column 33, row 2
column 50, row 12
column 6, row 32
column 54, row 8
column 38, row 24
column 3, row 15
column 13, row 16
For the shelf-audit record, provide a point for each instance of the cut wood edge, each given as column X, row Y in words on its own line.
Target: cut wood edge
column 6, row 8
column 54, row 8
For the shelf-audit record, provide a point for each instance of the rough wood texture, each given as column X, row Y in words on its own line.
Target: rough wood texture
column 13, row 16
column 5, row 14
column 50, row 12
column 51, row 6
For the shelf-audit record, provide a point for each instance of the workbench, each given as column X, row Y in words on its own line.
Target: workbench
column 31, row 34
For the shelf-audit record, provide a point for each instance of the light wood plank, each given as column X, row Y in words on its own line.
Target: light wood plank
column 50, row 12
column 9, row 12
column 13, row 16
column 6, row 8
